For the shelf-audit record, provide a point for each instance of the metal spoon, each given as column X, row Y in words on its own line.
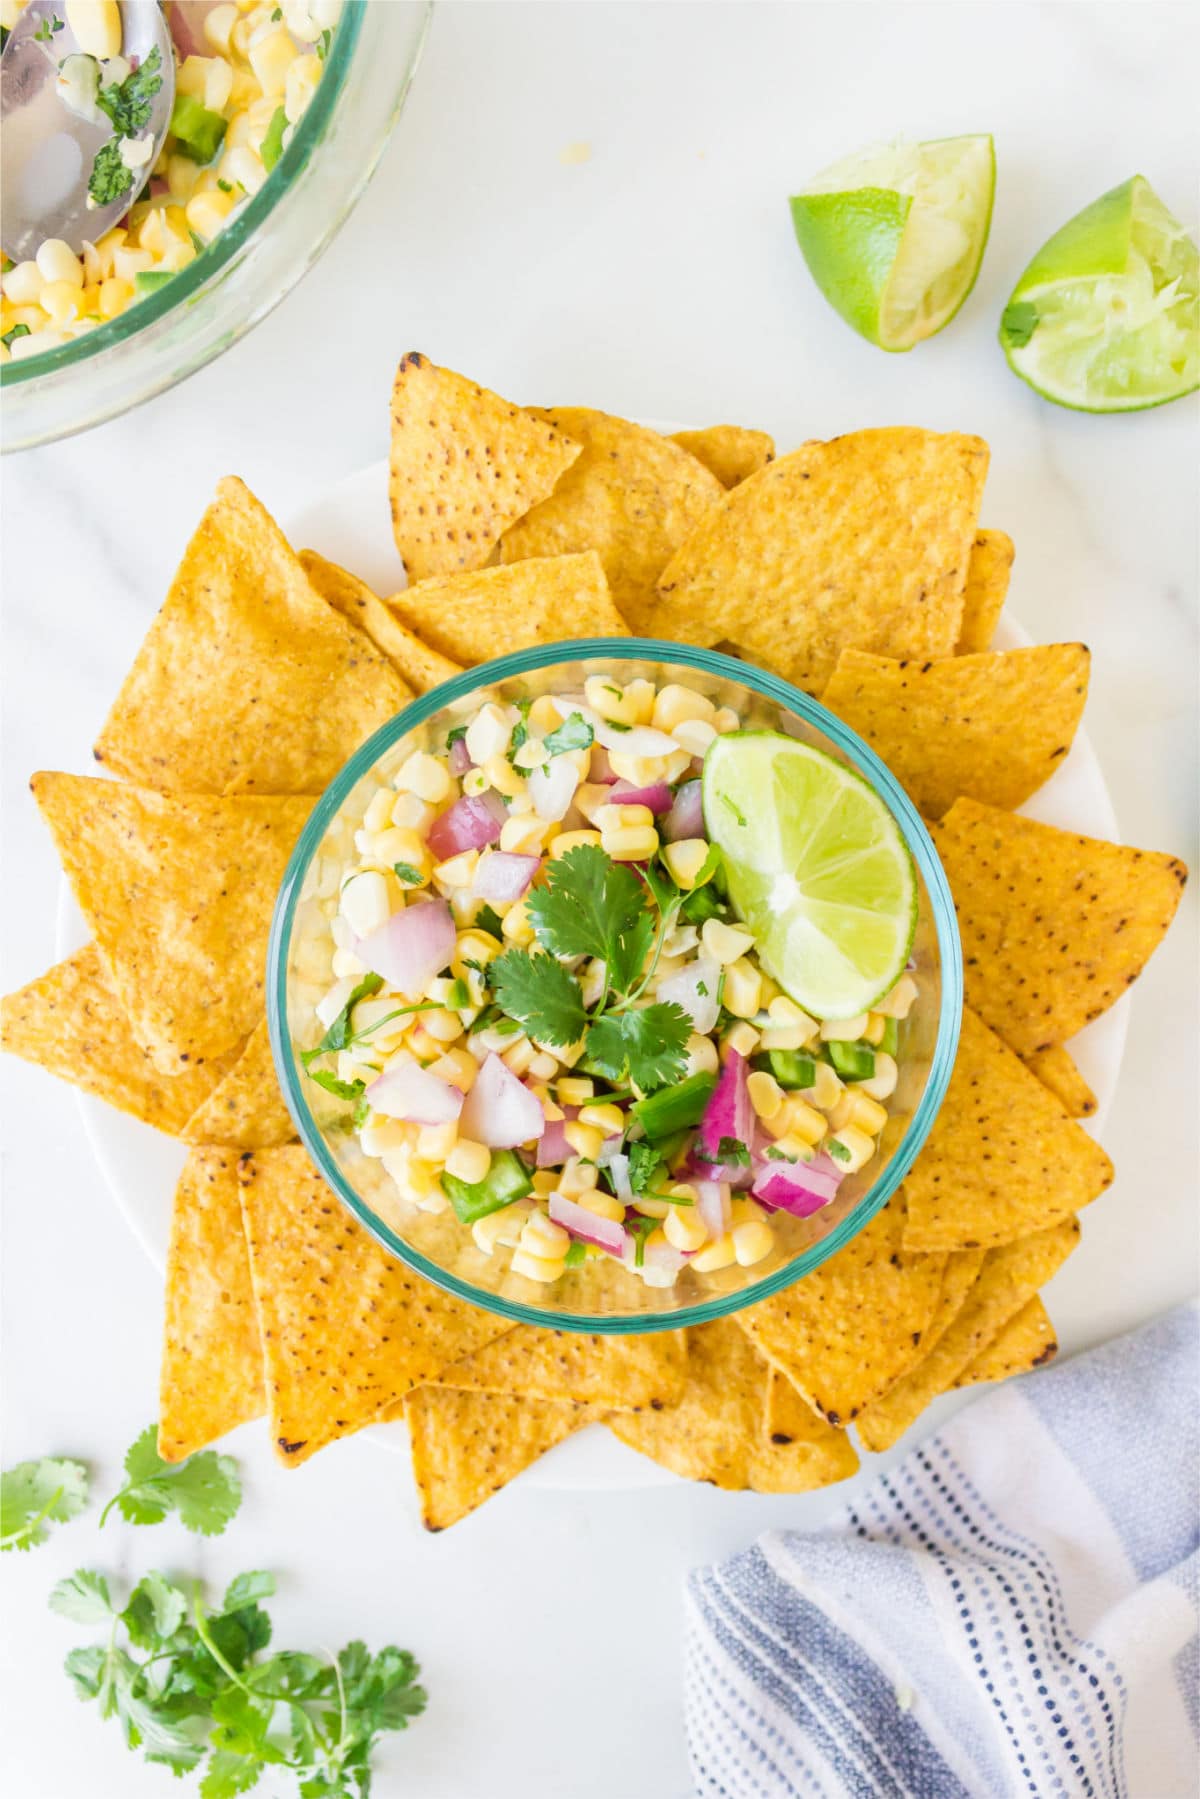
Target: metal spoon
column 49, row 150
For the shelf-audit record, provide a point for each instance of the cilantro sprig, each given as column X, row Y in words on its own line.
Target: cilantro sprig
column 594, row 907
column 34, row 1494
column 204, row 1491
column 128, row 103
column 192, row 1686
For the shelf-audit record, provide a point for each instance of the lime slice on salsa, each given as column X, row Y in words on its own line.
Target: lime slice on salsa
column 894, row 236
column 817, row 868
column 1106, row 318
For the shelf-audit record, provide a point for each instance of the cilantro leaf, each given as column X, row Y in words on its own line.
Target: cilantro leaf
column 574, row 733
column 541, row 995
column 639, row 1229
column 36, row 1493
column 489, row 920
column 576, row 1254
column 339, row 1031
column 593, row 906
column 404, row 871
column 645, row 1163
column 730, row 1153
column 204, row 1490
column 340, row 1089
column 47, row 28
column 647, row 1046
column 82, row 1597
column 155, row 1610
column 128, row 103
column 1018, row 322
column 111, row 177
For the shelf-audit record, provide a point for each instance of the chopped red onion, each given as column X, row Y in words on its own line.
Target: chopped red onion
column 800, row 1188
column 469, row 824
column 504, row 877
column 712, row 1205
column 459, row 759
column 728, row 1114
column 657, row 796
column 499, row 1110
column 686, row 817
column 553, row 1149
column 600, row 768
column 406, row 1090
column 605, row 1233
column 413, row 946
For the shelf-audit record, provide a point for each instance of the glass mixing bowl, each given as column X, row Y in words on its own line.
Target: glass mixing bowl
column 601, row 1295
column 247, row 269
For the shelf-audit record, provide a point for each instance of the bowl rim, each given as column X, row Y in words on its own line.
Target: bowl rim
column 768, row 686
column 222, row 249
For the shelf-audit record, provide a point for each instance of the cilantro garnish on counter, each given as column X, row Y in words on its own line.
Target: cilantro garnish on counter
column 37, row 1493
column 204, row 1490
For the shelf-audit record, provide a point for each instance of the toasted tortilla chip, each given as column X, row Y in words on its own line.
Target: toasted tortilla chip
column 844, row 1333
column 1007, row 1282
column 473, row 617
column 178, row 890
column 994, row 726
column 860, row 543
column 715, row 1433
column 246, row 1111
column 71, row 1023
column 624, row 1372
column 418, row 665
column 1003, row 1158
column 466, row 1446
column 212, row 1363
column 1054, row 926
column 633, row 496
column 1027, row 1341
column 465, row 464
column 1055, row 1069
column 347, row 1331
column 246, row 681
column 730, row 452
column 988, row 575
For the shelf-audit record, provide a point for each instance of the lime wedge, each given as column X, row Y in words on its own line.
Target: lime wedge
column 1106, row 318
column 894, row 236
column 817, row 869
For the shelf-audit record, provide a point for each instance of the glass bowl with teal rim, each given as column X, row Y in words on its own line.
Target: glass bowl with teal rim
column 255, row 261
column 600, row 1295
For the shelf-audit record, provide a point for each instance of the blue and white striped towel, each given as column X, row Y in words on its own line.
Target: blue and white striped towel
column 1010, row 1611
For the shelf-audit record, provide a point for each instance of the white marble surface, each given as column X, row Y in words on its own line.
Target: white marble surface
column 658, row 278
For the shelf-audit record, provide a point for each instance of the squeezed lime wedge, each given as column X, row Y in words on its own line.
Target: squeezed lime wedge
column 894, row 236
column 817, row 868
column 1106, row 318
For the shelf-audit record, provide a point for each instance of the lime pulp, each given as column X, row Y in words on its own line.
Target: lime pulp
column 817, row 869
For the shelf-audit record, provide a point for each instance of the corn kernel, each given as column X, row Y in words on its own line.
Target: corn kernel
column 443, row 1026
column 364, row 902
column 725, row 943
column 206, row 213
column 584, row 1139
column 577, row 1177
column 898, row 1003
column 544, row 1182
column 503, row 776
column 396, row 845
column 535, row 1268
column 425, row 776
column 271, row 58
column 675, row 704
column 300, row 85
column 742, row 1038
column 684, row 1229
column 766, row 1095
column 57, row 263
column 457, row 871
column 435, row 1141
column 544, row 713
column 860, row 1110
column 96, row 25
column 882, row 1083
column 518, row 1055
column 844, row 1030
column 630, row 843
column 575, row 1090
column 601, row 1205
column 569, row 840
column 524, row 835
column 631, row 705
column 218, row 23
column 826, row 1088
column 651, row 1208
column 410, row 813
column 751, row 1242
column 473, row 946
column 606, row 1117
column 384, row 1136
column 23, row 283
column 795, row 1118
column 784, row 1011
column 458, row 1067
column 743, row 987
column 644, row 771
column 503, row 1226
column 542, row 1237
column 427, row 1049
column 379, row 810
column 856, row 1147
column 60, row 301
column 468, row 1161
column 876, row 1025
column 702, row 1055
column 716, row 1255
column 794, row 1149
column 516, row 927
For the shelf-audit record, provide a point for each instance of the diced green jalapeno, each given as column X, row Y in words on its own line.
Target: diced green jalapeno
column 506, row 1180
column 853, row 1061
column 675, row 1108
column 792, row 1069
column 890, row 1042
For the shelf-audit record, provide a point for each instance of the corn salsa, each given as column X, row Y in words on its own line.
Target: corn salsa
column 546, row 1016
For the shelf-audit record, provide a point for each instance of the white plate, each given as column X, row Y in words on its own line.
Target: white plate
column 351, row 524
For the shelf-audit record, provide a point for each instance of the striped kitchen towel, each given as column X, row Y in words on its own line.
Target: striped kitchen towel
column 1010, row 1611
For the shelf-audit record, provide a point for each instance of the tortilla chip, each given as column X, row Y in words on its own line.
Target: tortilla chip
column 845, row 1332
column 419, row 666
column 465, row 465
column 715, row 1433
column 1003, row 1158
column 212, row 1363
column 178, row 890
column 246, row 681
column 1055, row 1069
column 466, row 1446
column 1054, row 926
column 860, row 543
column 626, row 1372
column 633, row 496
column 246, row 1111
column 71, row 1023
column 994, row 726
column 1027, row 1341
column 476, row 616
column 730, row 452
column 347, row 1331
column 1007, row 1282
column 988, row 575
